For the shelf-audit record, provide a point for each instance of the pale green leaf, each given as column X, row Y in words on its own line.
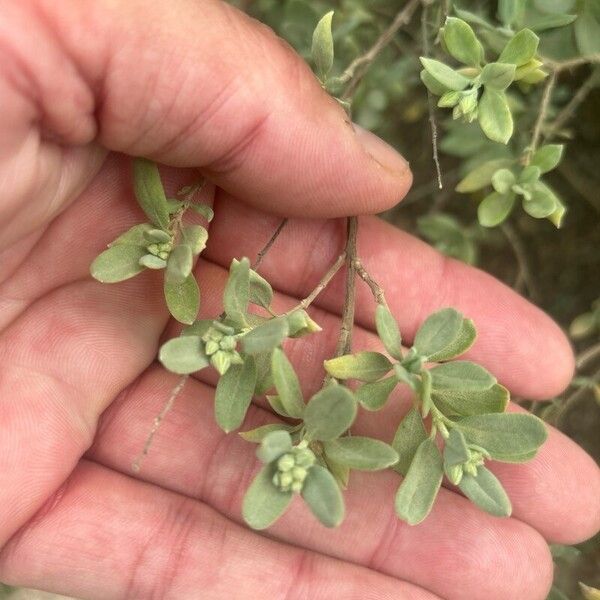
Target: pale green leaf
column 261, row 292
column 373, row 396
column 462, row 43
column 494, row 116
column 547, row 157
column 195, row 236
column 364, row 366
column 323, row 496
column 461, row 375
column 417, row 493
column 445, row 75
column 432, row 84
column 257, row 435
column 409, row 436
column 322, row 46
column 438, row 331
column 237, row 291
column 503, row 180
column 329, row 413
column 361, row 453
column 487, row 492
column 204, row 210
column 264, row 381
column 118, row 263
column 183, row 355
column 388, row 331
column 179, row 264
column 508, row 437
column 287, row 384
column 234, row 393
column 511, row 12
column 152, row 262
column 183, row 299
column 263, row 503
column 498, row 76
column 482, row 175
column 495, row 208
column 462, row 342
column 156, row 236
column 456, row 451
column 150, row 193
column 266, row 337
column 135, row 236
column 521, row 48
column 273, row 445
column 473, row 402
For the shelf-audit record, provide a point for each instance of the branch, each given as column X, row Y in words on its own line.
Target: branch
column 359, row 66
column 537, row 130
column 522, row 260
column 267, row 246
column 375, row 288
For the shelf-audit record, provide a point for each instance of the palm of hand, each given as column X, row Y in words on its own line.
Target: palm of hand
column 78, row 371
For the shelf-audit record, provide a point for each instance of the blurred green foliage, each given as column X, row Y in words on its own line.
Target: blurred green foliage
column 557, row 269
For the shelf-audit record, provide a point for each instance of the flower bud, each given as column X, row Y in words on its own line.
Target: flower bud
column 286, row 462
column 211, row 347
column 221, row 361
column 299, row 474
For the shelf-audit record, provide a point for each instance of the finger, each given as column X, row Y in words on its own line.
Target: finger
column 204, row 86
column 443, row 554
column 107, row 536
column 521, row 345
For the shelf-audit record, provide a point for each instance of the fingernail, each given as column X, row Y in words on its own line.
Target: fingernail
column 381, row 152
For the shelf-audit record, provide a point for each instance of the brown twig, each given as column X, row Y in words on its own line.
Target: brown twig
column 357, row 69
column 537, row 129
column 522, row 260
column 267, row 246
column 375, row 288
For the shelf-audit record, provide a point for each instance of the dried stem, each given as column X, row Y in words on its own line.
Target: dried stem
column 537, row 129
column 522, row 260
column 375, row 288
column 588, row 356
column 267, row 246
column 137, row 463
column 357, row 69
column 430, row 102
column 558, row 66
column 573, row 399
column 571, row 107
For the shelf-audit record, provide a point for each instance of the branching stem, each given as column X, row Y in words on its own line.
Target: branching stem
column 262, row 253
column 537, row 129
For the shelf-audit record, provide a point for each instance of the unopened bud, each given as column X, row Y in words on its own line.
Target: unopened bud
column 221, row 361
column 286, row 462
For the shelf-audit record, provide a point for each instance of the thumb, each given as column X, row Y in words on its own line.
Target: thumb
column 199, row 84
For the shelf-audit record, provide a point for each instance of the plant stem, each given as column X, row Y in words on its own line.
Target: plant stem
column 430, row 103
column 558, row 66
column 587, row 356
column 537, row 129
column 522, row 260
column 359, row 66
column 267, row 246
column 345, row 338
column 375, row 288
column 137, row 463
column 573, row 399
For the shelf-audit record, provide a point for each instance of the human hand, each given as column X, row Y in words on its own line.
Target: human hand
column 195, row 84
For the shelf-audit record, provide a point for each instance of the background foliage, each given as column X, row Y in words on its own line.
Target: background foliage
column 557, row 269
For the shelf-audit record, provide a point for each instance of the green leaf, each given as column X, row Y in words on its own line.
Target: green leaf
column 482, row 175
column 432, row 84
column 150, row 193
column 179, row 264
column 487, row 492
column 409, row 436
column 118, row 263
column 508, row 437
column 511, row 12
column 152, row 262
column 495, row 208
column 557, row 216
column 329, row 413
column 461, row 375
column 503, row 180
column 237, row 291
column 417, row 493
column 257, row 435
column 529, row 174
column 456, row 451
column 183, row 355
column 445, row 75
column 195, row 236
column 263, row 503
column 183, row 299
column 462, row 342
column 587, row 31
column 323, row 496
column 547, row 157
column 300, row 324
column 462, row 43
column 438, row 331
column 388, row 331
column 322, row 46
column 473, row 402
column 234, row 393
column 361, row 453
column 275, row 403
column 203, row 210
column 273, row 445
column 373, row 396
column 543, row 202
column 364, row 366
column 341, row 473
column 498, row 76
column 261, row 292
column 135, row 236
column 264, row 381
column 521, row 48
column 287, row 384
column 551, row 22
column 198, row 328
column 494, row 116
column 266, row 337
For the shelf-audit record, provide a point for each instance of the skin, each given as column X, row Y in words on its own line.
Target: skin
column 195, row 83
